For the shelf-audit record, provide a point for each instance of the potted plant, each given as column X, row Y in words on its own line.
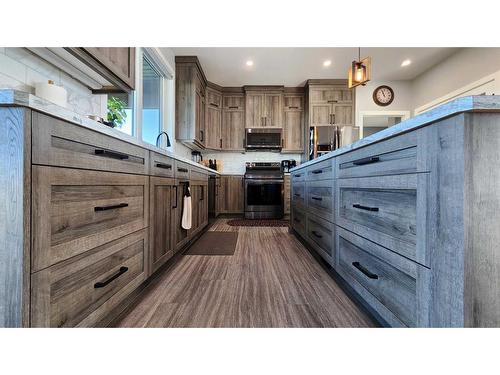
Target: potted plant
column 116, row 112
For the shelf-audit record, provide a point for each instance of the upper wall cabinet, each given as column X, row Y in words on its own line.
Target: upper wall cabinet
column 331, row 105
column 264, row 107
column 213, row 116
column 190, row 92
column 233, row 122
column 293, row 123
column 115, row 64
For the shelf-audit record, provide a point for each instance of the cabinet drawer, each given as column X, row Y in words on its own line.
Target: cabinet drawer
column 74, row 211
column 320, row 198
column 59, row 143
column 397, row 287
column 389, row 210
column 298, row 221
column 320, row 235
column 182, row 170
column 82, row 290
column 299, row 175
column 298, row 195
column 321, row 171
column 397, row 155
column 199, row 175
column 161, row 165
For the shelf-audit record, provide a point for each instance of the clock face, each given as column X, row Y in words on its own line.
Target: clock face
column 383, row 95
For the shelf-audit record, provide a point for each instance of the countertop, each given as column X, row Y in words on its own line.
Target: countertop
column 480, row 103
column 11, row 97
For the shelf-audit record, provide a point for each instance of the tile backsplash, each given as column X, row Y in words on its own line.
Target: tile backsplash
column 21, row 70
column 234, row 162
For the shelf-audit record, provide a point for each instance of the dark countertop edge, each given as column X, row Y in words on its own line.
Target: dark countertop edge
column 481, row 103
column 16, row 98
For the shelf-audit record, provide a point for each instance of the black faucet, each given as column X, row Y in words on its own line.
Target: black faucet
column 158, row 139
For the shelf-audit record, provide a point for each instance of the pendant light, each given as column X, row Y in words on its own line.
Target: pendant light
column 360, row 71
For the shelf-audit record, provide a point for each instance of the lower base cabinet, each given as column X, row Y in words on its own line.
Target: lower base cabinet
column 161, row 221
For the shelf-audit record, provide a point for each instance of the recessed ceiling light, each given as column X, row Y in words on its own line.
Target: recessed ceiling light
column 327, row 62
column 249, row 63
column 406, row 62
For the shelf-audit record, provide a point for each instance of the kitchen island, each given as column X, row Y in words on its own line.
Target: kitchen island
column 409, row 218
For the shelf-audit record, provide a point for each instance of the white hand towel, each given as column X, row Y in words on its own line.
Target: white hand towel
column 186, row 213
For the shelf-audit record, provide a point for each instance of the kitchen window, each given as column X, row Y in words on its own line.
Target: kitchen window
column 144, row 113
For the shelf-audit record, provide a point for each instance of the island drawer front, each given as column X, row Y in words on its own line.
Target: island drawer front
column 161, row 165
column 397, row 155
column 61, row 144
column 298, row 192
column 199, row 175
column 182, row 170
column 74, row 211
column 388, row 210
column 398, row 284
column 321, row 171
column 299, row 221
column 299, row 175
column 320, row 235
column 320, row 198
column 82, row 290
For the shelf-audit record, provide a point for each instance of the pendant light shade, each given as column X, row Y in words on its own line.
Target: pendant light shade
column 360, row 71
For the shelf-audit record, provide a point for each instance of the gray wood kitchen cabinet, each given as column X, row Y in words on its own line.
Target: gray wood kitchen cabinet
column 293, row 123
column 415, row 216
column 116, row 64
column 263, row 107
column 190, row 91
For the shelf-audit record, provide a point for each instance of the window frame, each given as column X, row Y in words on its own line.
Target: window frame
column 161, row 66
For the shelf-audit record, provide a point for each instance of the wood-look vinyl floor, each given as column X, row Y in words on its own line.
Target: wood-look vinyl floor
column 270, row 281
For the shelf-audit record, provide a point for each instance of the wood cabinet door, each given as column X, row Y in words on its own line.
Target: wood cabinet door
column 161, row 225
column 213, row 127
column 273, row 115
column 199, row 130
column 325, row 94
column 343, row 114
column 233, row 194
column 119, row 60
column 320, row 114
column 254, row 110
column 233, row 130
column 293, row 131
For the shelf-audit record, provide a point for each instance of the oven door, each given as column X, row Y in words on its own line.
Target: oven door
column 263, row 199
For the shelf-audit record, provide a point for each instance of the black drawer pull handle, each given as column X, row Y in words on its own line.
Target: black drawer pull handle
column 233, row 107
column 183, row 170
column 317, row 171
column 111, row 154
column 317, row 198
column 365, row 271
column 369, row 160
column 366, row 208
column 333, row 101
column 112, row 207
column 316, row 234
column 102, row 284
column 176, row 197
column 297, row 175
column 214, row 104
column 164, row 166
column 293, row 107
column 297, row 194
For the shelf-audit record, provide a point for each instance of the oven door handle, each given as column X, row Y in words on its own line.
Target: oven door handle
column 263, row 182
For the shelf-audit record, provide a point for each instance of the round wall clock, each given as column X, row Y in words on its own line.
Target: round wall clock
column 383, row 95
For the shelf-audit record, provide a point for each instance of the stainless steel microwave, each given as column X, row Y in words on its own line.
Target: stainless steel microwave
column 263, row 139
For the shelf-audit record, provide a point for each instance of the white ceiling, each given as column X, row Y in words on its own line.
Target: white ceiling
column 293, row 66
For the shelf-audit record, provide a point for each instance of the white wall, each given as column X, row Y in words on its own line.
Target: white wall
column 465, row 66
column 403, row 97
column 20, row 69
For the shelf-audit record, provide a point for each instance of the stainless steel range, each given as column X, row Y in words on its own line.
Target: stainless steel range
column 263, row 191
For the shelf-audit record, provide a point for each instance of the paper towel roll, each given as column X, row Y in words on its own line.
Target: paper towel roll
column 52, row 93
